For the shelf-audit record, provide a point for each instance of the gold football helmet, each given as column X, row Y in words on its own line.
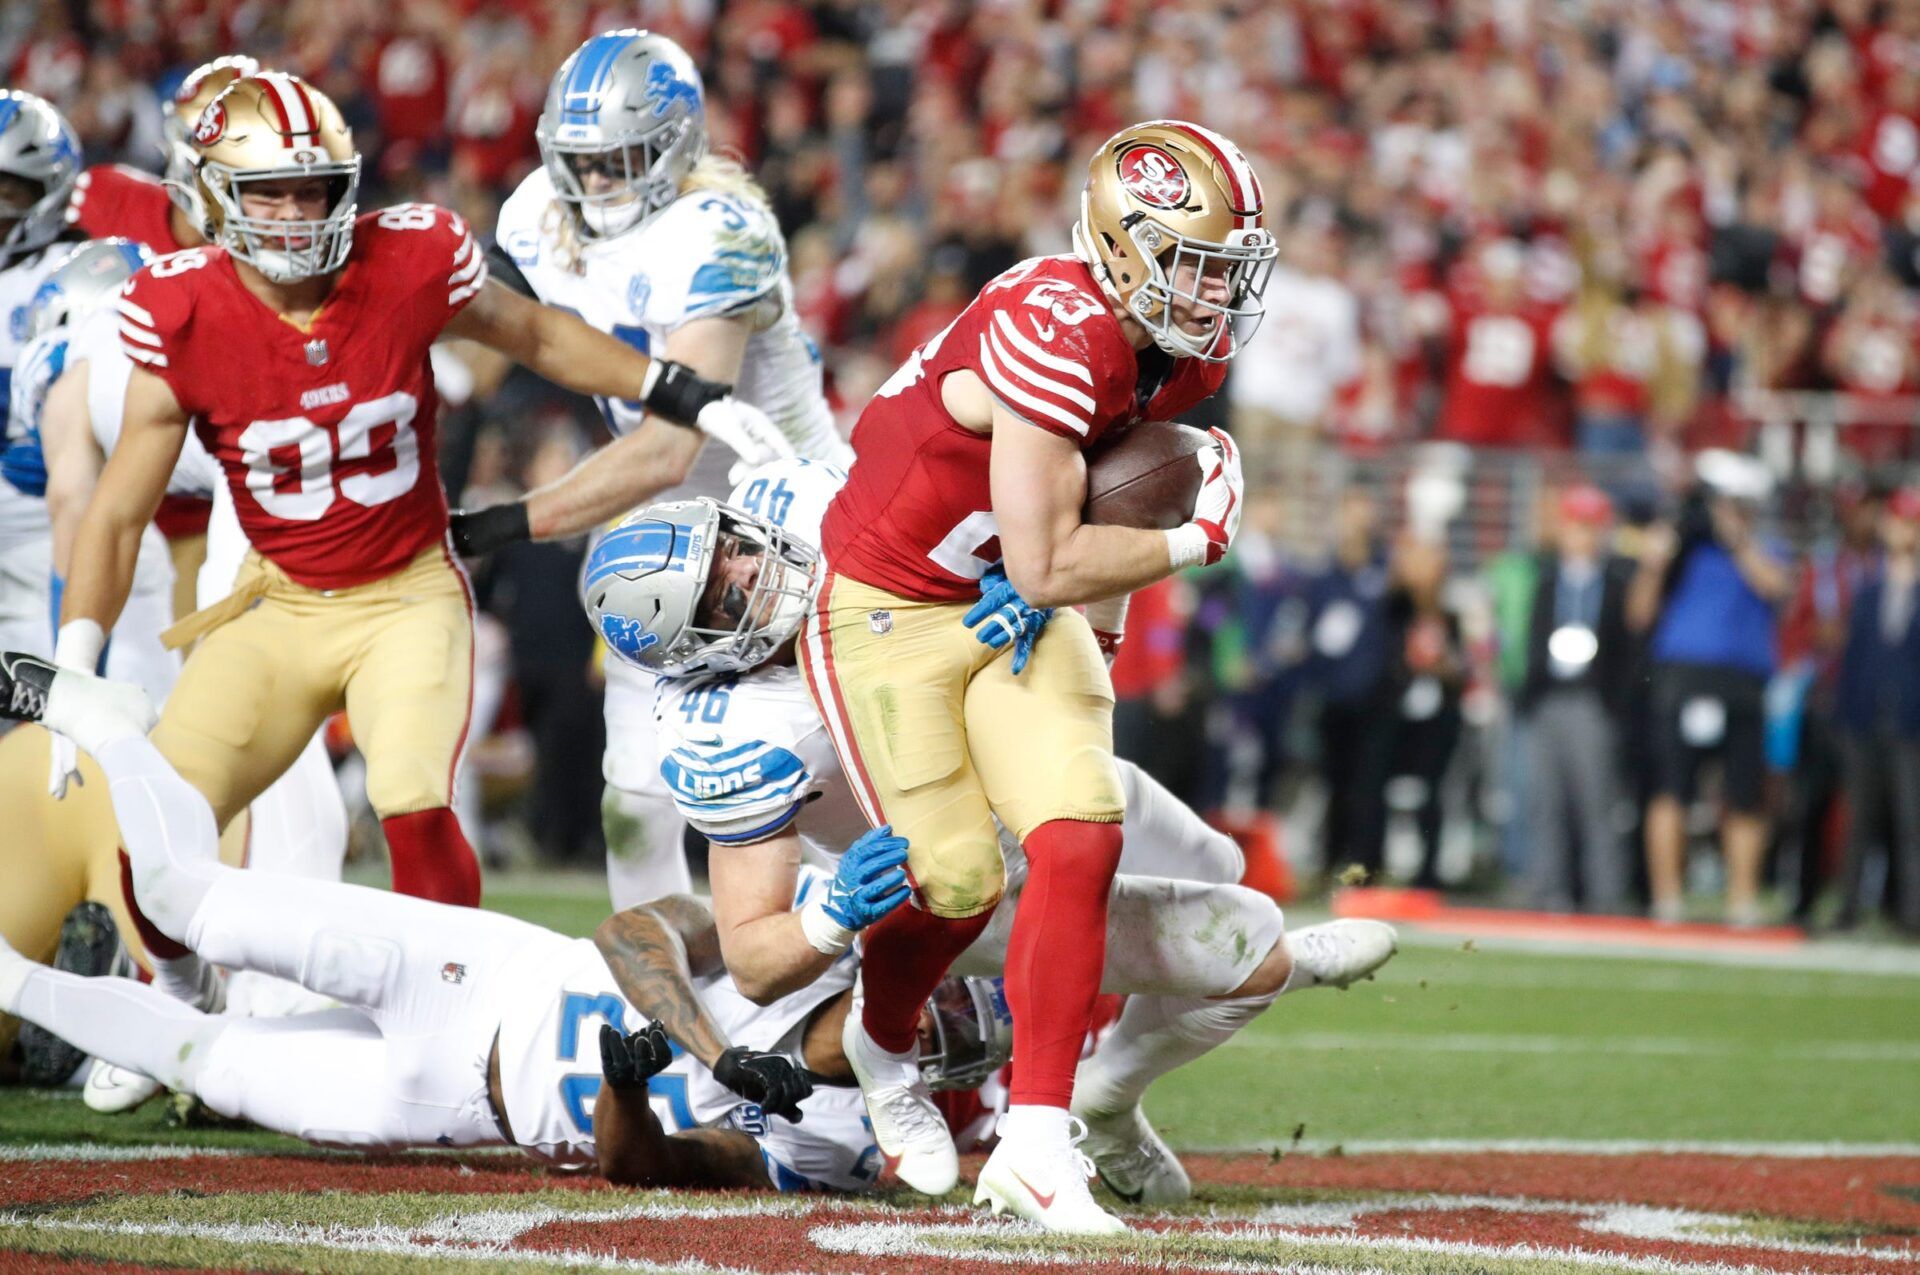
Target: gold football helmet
column 275, row 127
column 1164, row 196
column 177, row 118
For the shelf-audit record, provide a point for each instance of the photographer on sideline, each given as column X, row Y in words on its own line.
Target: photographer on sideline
column 1707, row 589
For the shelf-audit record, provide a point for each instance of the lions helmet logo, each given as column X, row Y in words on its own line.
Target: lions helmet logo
column 212, row 125
column 665, row 89
column 1154, row 177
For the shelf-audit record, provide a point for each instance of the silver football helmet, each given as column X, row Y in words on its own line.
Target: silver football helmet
column 89, row 278
column 627, row 107
column 972, row 1033
column 695, row 586
column 40, row 151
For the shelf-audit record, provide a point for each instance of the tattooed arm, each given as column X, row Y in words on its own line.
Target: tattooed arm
column 655, row 951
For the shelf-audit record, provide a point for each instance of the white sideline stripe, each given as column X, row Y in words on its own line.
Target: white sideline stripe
column 1862, row 1051
column 111, row 1154
column 1034, row 352
column 1833, row 958
column 1810, row 984
column 1576, row 1146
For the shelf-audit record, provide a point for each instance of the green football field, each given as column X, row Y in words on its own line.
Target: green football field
column 1454, row 1041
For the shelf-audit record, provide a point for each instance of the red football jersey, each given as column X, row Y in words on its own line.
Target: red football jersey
column 111, row 200
column 326, row 434
column 916, row 515
column 1499, row 388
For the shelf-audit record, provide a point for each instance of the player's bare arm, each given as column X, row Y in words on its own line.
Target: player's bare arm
column 131, row 485
column 1039, row 484
column 627, row 472
column 635, row 1151
column 761, row 936
column 654, row 952
column 74, row 460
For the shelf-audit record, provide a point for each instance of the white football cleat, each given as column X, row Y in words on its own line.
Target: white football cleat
column 1133, row 1161
column 906, row 1124
column 111, row 1090
column 1044, row 1180
column 1337, row 953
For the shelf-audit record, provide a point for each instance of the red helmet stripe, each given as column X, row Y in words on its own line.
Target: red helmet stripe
column 293, row 107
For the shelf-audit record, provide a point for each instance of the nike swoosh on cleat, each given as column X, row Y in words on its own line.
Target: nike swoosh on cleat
column 1044, row 1201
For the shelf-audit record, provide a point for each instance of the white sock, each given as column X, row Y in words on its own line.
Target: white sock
column 1156, row 1034
column 179, row 978
column 14, row 969
column 167, row 827
column 121, row 1021
column 1030, row 1120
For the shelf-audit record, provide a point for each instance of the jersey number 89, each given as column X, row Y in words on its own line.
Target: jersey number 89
column 290, row 462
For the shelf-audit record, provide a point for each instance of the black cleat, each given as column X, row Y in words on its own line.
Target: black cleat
column 25, row 682
column 90, row 947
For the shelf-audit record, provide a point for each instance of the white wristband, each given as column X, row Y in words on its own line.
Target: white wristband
column 828, row 936
column 79, row 644
column 655, row 369
column 1187, row 545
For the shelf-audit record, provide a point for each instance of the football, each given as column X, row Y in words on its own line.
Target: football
column 1145, row 476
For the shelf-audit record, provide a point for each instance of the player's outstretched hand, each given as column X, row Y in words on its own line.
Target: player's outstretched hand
column 1002, row 616
column 628, row 1062
column 750, row 432
column 1216, row 510
column 768, row 1079
column 478, row 532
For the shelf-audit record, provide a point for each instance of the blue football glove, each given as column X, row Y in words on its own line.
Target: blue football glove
column 1002, row 616
column 870, row 882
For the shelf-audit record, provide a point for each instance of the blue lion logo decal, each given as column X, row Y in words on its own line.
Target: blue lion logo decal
column 625, row 636
column 665, row 90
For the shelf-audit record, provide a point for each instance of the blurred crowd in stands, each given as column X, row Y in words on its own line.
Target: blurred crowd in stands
column 1593, row 229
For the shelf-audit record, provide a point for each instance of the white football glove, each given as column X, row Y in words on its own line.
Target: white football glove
column 1203, row 540
column 77, row 646
column 748, row 431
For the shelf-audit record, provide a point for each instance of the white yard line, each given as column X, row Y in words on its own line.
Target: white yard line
column 1585, row 1146
column 1880, row 959
column 1834, row 1051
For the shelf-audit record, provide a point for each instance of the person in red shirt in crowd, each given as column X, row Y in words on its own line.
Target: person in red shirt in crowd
column 1840, row 242
column 408, row 76
column 1500, row 388
column 1890, row 144
column 1869, row 353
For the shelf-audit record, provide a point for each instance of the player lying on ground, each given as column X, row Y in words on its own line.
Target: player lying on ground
column 709, row 596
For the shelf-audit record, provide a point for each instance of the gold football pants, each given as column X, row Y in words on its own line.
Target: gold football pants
column 938, row 736
column 396, row 654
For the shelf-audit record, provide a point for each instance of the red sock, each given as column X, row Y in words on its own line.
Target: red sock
column 1056, row 953
column 158, row 945
column 907, row 954
column 431, row 857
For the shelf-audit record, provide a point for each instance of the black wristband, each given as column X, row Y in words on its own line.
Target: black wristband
column 678, row 393
column 481, row 531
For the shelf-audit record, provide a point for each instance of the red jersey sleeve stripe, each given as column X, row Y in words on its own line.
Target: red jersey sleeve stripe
column 1033, row 378
column 1035, row 354
column 467, row 262
column 135, row 333
column 1016, row 398
column 134, row 313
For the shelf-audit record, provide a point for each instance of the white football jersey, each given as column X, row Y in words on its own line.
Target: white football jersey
column 22, row 517
column 550, row 1069
column 706, row 255
column 96, row 339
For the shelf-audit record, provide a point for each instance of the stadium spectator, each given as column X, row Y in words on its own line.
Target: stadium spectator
column 1706, row 590
column 1307, row 349
column 1880, row 716
column 1426, row 673
column 1348, row 665
column 1579, row 659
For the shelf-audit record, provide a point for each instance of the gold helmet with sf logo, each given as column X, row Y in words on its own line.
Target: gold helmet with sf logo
column 274, row 127
column 1169, row 204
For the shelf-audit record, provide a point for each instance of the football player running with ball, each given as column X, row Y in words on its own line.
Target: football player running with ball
column 296, row 345
column 634, row 226
column 969, row 457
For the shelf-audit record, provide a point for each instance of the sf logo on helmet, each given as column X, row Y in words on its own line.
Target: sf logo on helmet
column 1154, row 177
column 212, row 124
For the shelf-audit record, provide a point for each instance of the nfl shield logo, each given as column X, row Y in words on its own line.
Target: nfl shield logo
column 880, row 621
column 453, row 972
column 316, row 352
